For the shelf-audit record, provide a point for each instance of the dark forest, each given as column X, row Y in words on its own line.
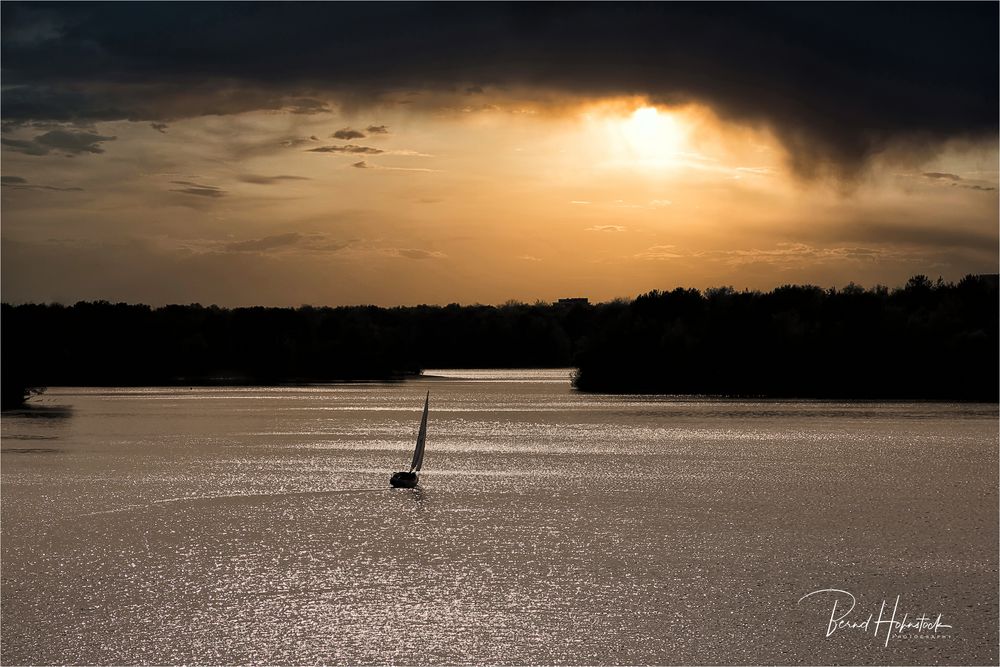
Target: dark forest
column 926, row 340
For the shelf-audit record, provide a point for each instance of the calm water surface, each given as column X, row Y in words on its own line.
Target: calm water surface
column 255, row 525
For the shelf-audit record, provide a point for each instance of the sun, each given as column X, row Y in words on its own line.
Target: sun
column 635, row 135
column 652, row 137
column 642, row 136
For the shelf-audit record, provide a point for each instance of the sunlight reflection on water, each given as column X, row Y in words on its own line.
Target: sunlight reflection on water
column 235, row 525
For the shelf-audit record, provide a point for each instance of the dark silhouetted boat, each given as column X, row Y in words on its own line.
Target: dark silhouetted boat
column 408, row 480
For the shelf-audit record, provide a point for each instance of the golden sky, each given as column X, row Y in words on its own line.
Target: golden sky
column 339, row 153
column 484, row 202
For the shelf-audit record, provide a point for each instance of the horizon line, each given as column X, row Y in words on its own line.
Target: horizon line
column 578, row 299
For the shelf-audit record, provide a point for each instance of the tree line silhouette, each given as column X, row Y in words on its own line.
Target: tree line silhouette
column 925, row 340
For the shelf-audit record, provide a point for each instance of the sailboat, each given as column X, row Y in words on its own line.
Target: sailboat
column 408, row 480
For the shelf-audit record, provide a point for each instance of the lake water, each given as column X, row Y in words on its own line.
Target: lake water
column 255, row 525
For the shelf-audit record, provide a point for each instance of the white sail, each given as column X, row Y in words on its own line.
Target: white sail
column 418, row 453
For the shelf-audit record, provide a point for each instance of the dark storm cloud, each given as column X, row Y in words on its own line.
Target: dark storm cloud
column 92, row 100
column 347, row 133
column 159, row 127
column 26, row 147
column 347, row 148
column 378, row 129
column 836, row 82
column 360, row 165
column 59, row 141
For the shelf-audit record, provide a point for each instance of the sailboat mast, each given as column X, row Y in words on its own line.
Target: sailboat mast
column 418, row 452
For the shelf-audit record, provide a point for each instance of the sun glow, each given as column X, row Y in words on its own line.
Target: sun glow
column 651, row 138
column 631, row 134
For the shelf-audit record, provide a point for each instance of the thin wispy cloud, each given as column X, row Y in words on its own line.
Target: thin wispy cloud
column 347, row 134
column 286, row 243
column 306, row 106
column 293, row 142
column 784, row 255
column 957, row 181
column 347, row 148
column 364, row 164
column 756, row 171
column 19, row 183
column 265, row 243
column 257, row 179
column 407, row 153
column 66, row 142
column 658, row 252
column 415, row 253
column 198, row 189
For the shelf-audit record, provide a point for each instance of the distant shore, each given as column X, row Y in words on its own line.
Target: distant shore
column 926, row 340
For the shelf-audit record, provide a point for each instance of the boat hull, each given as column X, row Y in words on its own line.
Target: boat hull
column 404, row 480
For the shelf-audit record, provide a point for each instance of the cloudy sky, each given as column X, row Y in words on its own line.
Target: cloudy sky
column 284, row 154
